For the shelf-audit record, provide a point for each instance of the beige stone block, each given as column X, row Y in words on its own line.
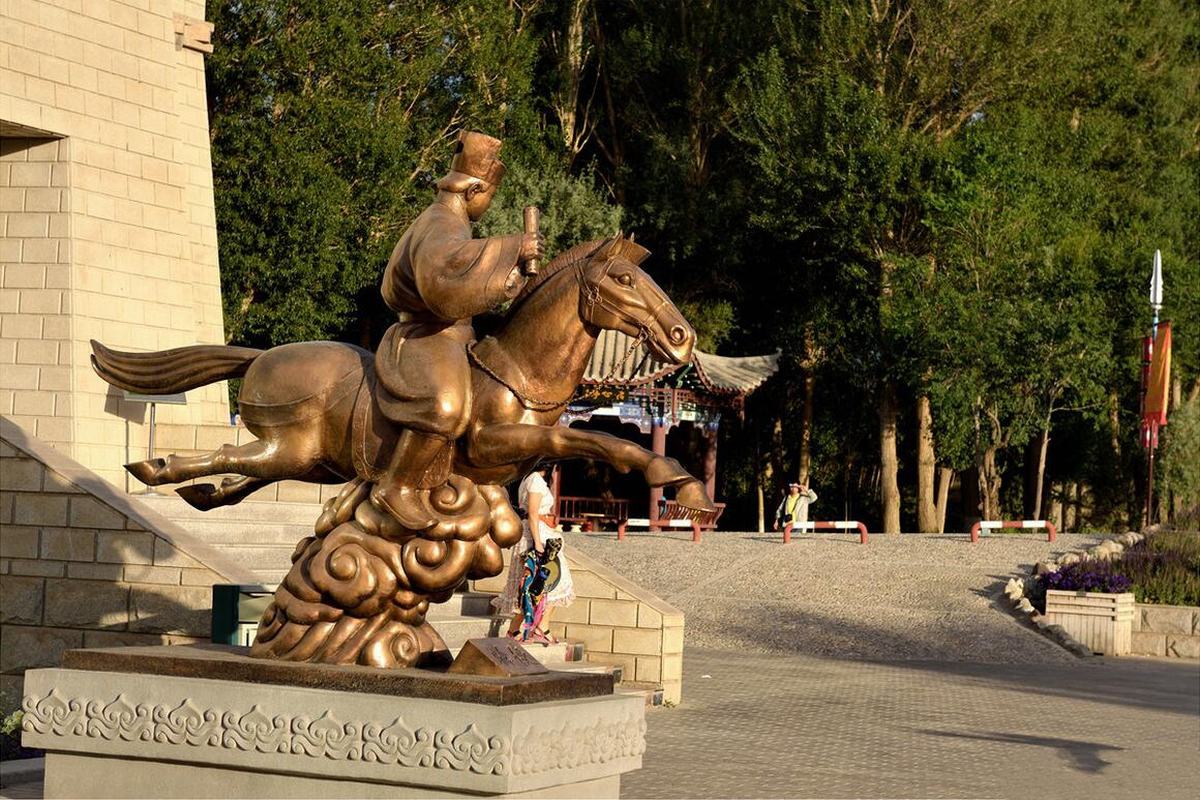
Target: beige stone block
column 649, row 669
column 620, row 613
column 126, row 547
column 21, row 599
column 595, row 638
column 43, row 199
column 41, row 509
column 42, row 301
column 672, row 692
column 87, row 604
column 27, row 276
column 166, row 555
column 174, row 438
column 171, row 609
column 1181, row 646
column 37, row 352
column 1167, row 619
column 672, row 640
column 142, row 573
column 21, row 326
column 22, row 475
column 40, row 251
column 29, row 174
column 58, row 276
column 6, row 510
column 627, row 663
column 87, row 512
column 639, row 641
column 588, row 584
column 672, row 667
column 576, row 612
column 1144, row 643
column 201, row 577
column 54, row 430
column 54, row 482
column 45, row 569
column 96, row 572
column 34, row 403
column 122, row 639
column 648, row 617
column 68, row 544
column 28, row 226
column 29, row 647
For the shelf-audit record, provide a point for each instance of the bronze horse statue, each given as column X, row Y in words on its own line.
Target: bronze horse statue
column 359, row 588
column 310, row 403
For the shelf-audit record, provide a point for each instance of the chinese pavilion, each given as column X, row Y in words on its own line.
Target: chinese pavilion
column 637, row 396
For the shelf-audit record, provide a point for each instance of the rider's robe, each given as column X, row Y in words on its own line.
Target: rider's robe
column 437, row 278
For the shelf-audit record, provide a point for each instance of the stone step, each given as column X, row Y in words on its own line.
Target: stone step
column 616, row 670
column 172, row 506
column 244, row 532
column 462, row 604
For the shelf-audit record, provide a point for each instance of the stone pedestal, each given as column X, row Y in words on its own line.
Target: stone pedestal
column 113, row 732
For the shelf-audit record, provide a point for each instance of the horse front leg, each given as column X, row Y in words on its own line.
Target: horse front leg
column 510, row 443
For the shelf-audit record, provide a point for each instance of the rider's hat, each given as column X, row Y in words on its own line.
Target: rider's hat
column 476, row 155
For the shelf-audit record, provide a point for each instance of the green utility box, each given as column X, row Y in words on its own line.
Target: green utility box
column 236, row 610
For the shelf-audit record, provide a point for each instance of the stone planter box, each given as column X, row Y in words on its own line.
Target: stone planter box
column 1100, row 621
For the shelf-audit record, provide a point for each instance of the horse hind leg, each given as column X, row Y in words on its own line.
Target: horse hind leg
column 205, row 496
column 262, row 458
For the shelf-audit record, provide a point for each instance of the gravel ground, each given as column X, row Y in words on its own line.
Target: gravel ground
column 898, row 598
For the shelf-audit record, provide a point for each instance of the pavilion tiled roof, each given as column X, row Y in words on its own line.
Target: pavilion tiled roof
column 718, row 374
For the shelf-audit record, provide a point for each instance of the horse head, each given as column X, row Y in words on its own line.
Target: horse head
column 617, row 294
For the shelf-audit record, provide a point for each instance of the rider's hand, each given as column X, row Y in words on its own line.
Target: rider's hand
column 533, row 245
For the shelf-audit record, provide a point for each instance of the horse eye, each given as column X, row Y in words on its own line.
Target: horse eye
column 625, row 279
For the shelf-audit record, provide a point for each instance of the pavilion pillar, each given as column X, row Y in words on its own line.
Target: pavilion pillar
column 658, row 444
column 709, row 434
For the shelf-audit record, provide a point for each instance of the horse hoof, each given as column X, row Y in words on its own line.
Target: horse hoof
column 693, row 495
column 199, row 495
column 147, row 471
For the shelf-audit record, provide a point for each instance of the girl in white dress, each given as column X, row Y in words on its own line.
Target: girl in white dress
column 536, row 499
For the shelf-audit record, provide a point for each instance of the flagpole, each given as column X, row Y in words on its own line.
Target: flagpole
column 1150, row 434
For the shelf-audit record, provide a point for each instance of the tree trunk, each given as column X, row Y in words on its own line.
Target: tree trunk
column 927, row 513
column 889, row 488
column 945, row 477
column 806, row 417
column 989, row 485
column 1043, row 446
column 1070, row 506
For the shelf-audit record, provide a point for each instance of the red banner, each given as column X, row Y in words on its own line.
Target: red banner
column 1158, row 389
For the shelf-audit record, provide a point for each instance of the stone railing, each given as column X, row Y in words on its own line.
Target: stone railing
column 1166, row 631
column 619, row 623
column 82, row 564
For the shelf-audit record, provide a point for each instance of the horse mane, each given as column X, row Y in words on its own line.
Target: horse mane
column 618, row 247
column 567, row 258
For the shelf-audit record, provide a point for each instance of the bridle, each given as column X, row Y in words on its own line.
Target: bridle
column 592, row 299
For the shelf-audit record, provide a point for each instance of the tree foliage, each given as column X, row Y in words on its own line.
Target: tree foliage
column 911, row 199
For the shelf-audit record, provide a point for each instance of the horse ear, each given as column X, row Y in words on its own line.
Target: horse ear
column 631, row 251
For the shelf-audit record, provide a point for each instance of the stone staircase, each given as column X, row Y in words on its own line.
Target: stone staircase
column 263, row 535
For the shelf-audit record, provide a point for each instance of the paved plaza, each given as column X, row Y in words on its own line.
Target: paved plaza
column 896, row 598
column 754, row 725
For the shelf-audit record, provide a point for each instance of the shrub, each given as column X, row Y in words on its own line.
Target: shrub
column 1165, row 568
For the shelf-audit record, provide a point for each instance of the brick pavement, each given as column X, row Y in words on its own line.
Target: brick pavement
column 800, row 726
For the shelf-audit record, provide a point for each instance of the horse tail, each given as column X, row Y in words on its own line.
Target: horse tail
column 171, row 371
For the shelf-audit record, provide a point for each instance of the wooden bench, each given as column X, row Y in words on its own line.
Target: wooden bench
column 676, row 516
column 591, row 512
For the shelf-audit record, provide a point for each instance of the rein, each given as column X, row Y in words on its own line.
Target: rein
column 592, row 298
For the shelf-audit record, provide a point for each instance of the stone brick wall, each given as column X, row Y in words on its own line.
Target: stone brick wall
column 83, row 565
column 124, row 95
column 1166, row 631
column 619, row 622
column 35, row 298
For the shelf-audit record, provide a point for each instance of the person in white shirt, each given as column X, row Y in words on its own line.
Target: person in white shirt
column 535, row 498
column 793, row 508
